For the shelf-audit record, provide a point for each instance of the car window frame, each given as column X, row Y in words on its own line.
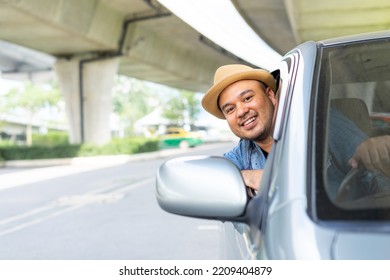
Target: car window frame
column 322, row 209
column 288, row 73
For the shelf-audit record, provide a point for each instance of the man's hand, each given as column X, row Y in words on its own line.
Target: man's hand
column 373, row 153
column 252, row 178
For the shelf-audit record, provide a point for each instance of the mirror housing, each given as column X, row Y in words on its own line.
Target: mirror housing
column 202, row 186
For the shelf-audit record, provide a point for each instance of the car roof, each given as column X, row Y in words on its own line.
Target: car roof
column 357, row 37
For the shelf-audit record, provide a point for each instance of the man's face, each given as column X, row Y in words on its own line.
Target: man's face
column 248, row 107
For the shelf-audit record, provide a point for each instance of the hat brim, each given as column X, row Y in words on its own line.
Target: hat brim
column 210, row 99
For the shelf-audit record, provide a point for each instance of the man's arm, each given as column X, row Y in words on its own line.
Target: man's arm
column 252, row 178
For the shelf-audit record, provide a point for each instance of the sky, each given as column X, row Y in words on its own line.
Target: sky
column 7, row 84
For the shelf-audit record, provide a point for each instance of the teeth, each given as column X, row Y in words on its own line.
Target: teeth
column 249, row 121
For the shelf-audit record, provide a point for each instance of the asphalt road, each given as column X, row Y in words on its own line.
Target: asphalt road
column 92, row 211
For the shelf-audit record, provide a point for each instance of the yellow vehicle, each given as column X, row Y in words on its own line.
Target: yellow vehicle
column 179, row 137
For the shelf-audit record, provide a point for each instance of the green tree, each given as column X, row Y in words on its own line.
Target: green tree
column 31, row 98
column 192, row 103
column 182, row 108
column 174, row 110
column 132, row 99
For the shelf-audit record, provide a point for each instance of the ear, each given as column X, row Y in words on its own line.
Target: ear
column 271, row 95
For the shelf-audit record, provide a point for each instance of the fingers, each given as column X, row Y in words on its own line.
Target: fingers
column 365, row 154
column 252, row 178
column 384, row 152
column 353, row 162
column 374, row 153
column 379, row 152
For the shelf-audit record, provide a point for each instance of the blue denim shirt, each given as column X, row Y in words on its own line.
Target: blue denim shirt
column 344, row 137
column 247, row 155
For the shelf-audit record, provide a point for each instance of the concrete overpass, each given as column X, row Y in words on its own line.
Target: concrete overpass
column 91, row 40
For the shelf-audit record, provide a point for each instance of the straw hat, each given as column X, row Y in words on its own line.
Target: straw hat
column 227, row 75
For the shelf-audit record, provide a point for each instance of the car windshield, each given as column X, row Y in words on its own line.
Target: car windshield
column 354, row 95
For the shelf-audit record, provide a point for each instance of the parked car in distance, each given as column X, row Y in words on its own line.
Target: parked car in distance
column 311, row 203
column 176, row 137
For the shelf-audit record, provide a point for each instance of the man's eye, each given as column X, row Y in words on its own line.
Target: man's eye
column 248, row 98
column 229, row 110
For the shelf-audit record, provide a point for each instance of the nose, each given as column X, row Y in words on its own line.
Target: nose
column 242, row 110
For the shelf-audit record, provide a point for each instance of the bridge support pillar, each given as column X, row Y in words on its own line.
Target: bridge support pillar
column 86, row 86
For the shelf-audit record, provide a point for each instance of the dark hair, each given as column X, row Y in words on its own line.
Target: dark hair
column 263, row 85
column 276, row 75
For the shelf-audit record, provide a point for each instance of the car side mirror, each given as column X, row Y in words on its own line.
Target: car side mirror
column 203, row 187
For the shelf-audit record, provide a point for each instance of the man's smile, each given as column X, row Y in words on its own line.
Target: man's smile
column 247, row 123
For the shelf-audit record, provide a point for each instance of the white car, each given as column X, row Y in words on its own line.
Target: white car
column 312, row 204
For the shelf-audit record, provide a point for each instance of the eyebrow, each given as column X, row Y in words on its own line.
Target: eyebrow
column 241, row 94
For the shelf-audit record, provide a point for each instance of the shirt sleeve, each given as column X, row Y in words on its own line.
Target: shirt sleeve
column 235, row 156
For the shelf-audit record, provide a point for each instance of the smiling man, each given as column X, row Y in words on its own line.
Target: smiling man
column 246, row 98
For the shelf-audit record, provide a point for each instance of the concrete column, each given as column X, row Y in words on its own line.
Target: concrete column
column 89, row 120
column 98, row 82
column 68, row 76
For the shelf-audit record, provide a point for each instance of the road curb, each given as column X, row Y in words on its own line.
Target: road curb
column 98, row 160
column 93, row 160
